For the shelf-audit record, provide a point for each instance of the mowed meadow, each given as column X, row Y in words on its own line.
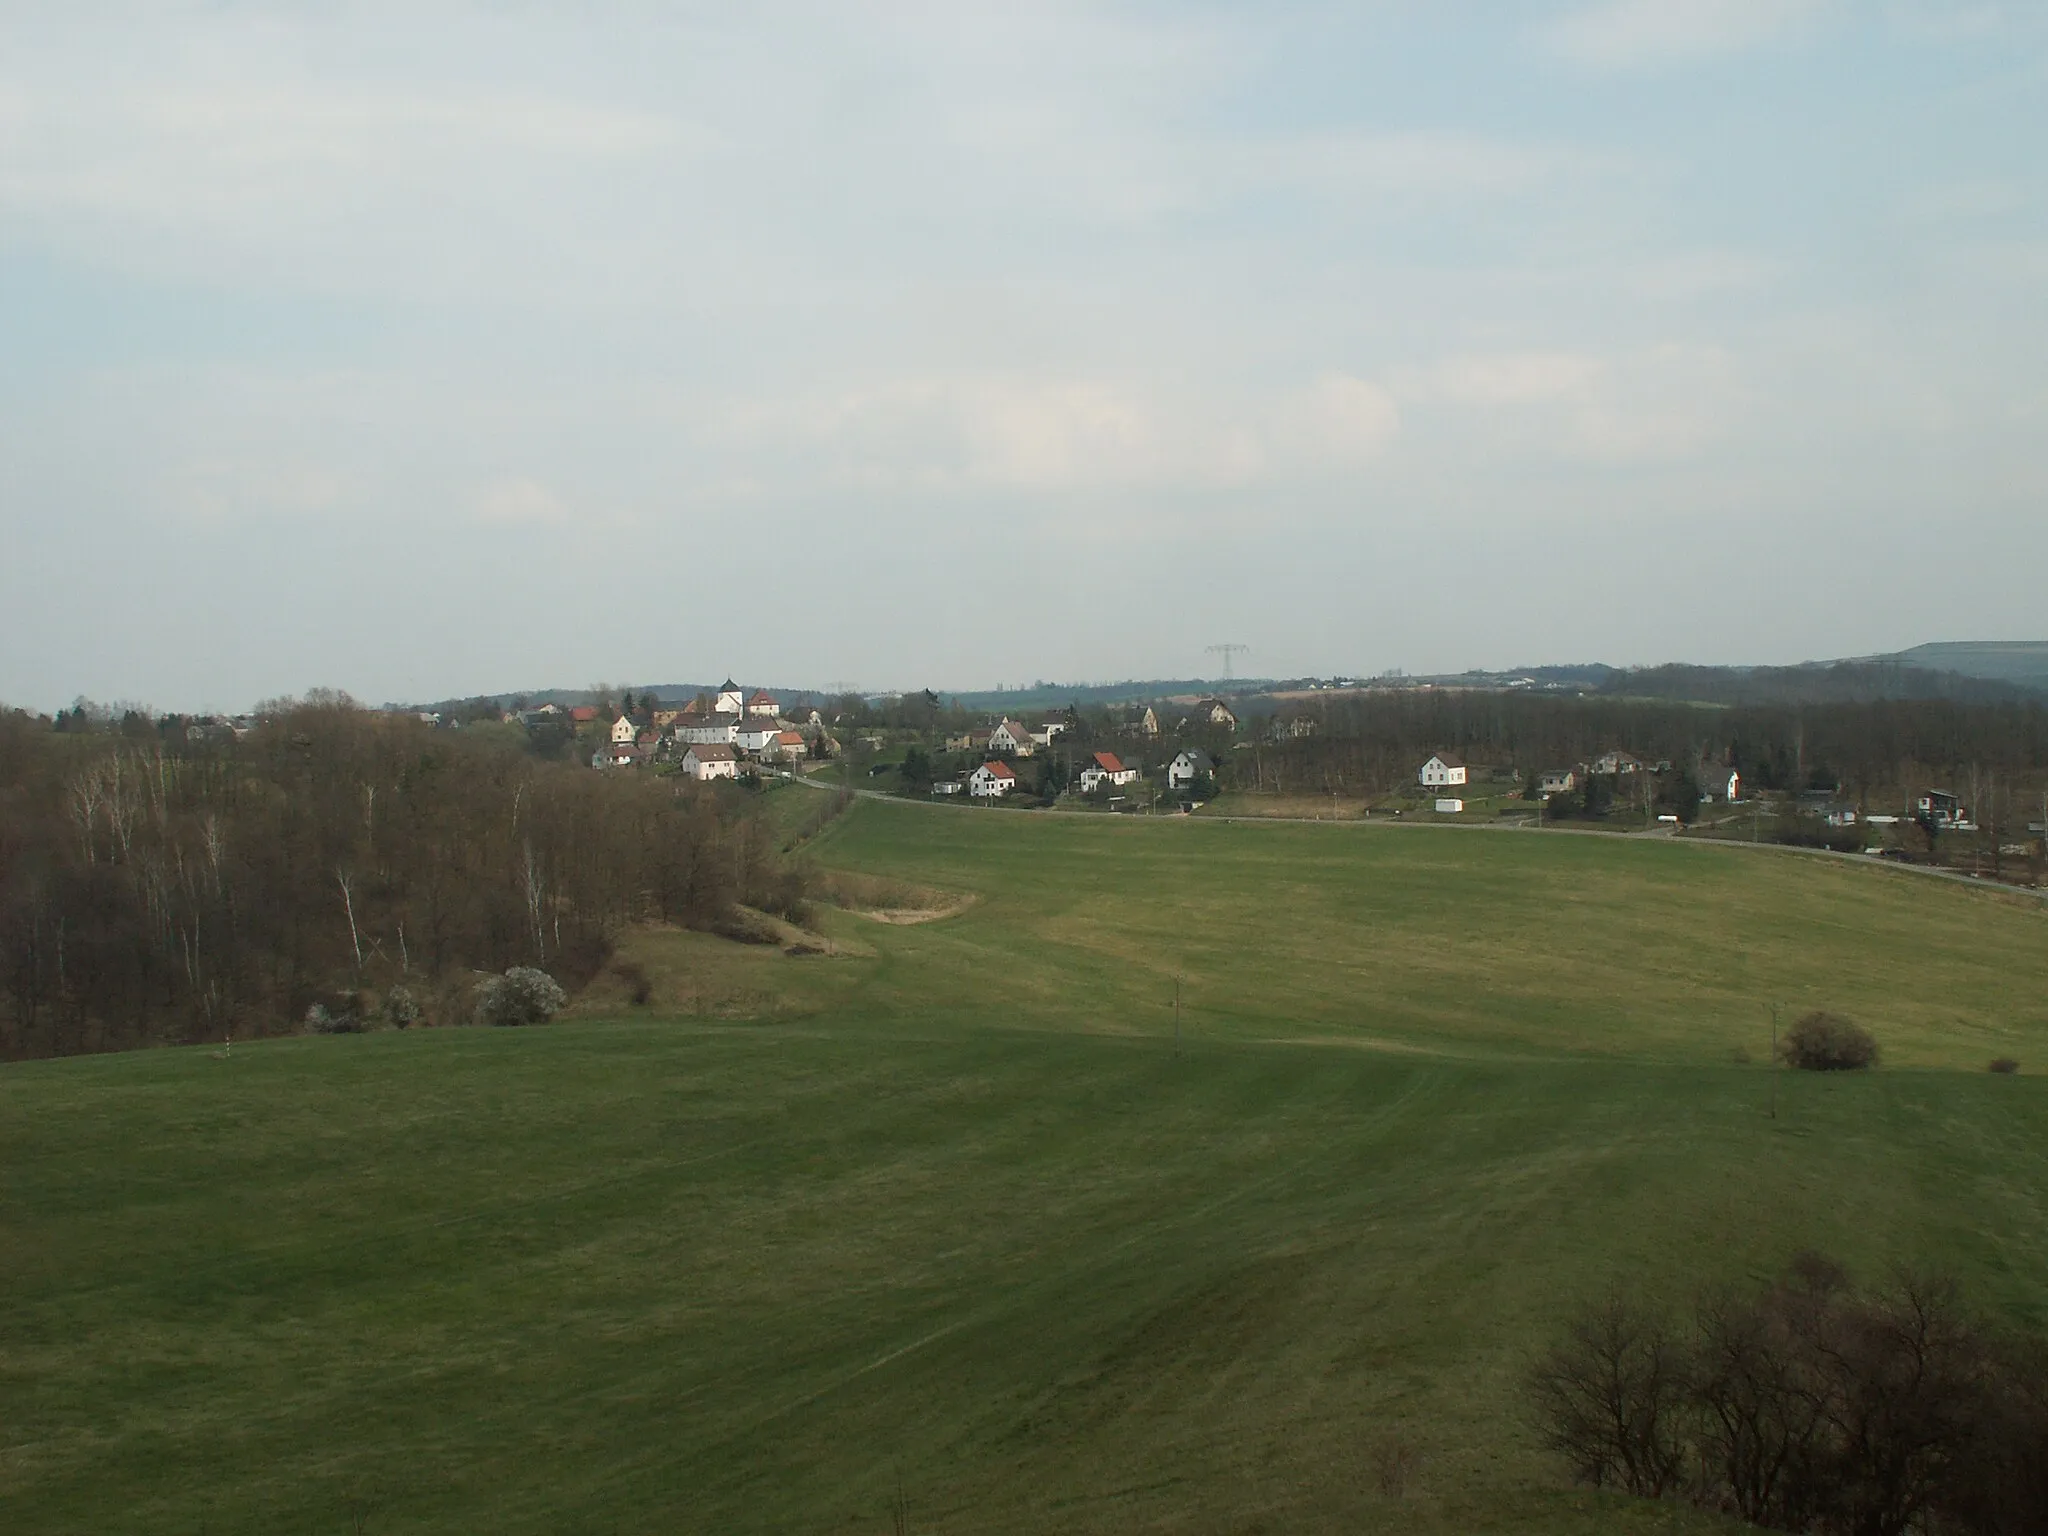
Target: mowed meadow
column 945, row 1228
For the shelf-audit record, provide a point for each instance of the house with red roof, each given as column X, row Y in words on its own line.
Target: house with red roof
column 1106, row 768
column 991, row 781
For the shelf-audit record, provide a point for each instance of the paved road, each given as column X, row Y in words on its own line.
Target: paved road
column 1666, row 833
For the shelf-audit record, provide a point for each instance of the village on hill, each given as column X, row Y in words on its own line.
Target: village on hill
column 1178, row 754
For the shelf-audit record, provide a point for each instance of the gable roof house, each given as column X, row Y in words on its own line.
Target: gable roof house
column 1106, row 768
column 711, row 760
column 1557, row 781
column 623, row 731
column 1617, row 763
column 991, row 781
column 706, row 729
column 583, row 714
column 1719, row 782
column 1144, row 723
column 1010, row 737
column 763, row 703
column 1443, row 769
column 1216, row 712
column 755, row 733
column 730, row 700
column 1189, row 766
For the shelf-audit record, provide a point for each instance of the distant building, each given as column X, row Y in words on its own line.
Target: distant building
column 1188, row 766
column 1941, row 808
column 991, row 781
column 1216, row 713
column 730, row 700
column 1720, row 783
column 1557, row 781
column 1442, row 771
column 1012, row 739
column 1613, row 764
column 763, row 703
column 1106, row 768
column 623, row 731
column 711, row 760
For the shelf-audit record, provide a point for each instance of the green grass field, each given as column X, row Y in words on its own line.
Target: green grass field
column 946, row 1211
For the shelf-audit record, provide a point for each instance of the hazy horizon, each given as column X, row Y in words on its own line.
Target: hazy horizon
column 430, row 352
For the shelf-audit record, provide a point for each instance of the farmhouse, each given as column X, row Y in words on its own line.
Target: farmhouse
column 1106, row 768
column 1441, row 771
column 711, row 760
column 991, row 781
column 1011, row 738
column 1720, row 783
column 1189, row 766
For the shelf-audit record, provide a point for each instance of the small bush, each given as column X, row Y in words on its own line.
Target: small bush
column 639, row 986
column 522, row 995
column 322, row 1022
column 1826, row 1042
column 2005, row 1066
column 401, row 1008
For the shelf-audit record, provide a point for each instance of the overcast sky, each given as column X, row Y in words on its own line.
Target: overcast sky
column 425, row 349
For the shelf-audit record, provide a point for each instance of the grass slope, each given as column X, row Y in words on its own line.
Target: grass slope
column 950, row 1210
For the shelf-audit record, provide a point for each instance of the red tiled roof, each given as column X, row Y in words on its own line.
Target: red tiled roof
column 583, row 712
column 999, row 770
column 1107, row 762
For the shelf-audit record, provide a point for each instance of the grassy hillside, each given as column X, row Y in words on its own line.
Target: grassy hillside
column 947, row 1211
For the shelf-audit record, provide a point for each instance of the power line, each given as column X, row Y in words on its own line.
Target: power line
column 1229, row 649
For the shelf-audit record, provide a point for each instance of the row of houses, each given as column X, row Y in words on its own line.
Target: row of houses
column 1445, row 770
column 996, row 778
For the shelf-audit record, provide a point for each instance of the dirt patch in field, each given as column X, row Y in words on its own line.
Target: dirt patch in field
column 904, row 916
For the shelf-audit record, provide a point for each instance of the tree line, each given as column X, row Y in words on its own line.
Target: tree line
column 1870, row 751
column 157, row 886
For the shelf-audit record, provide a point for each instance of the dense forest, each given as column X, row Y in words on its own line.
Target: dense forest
column 160, row 884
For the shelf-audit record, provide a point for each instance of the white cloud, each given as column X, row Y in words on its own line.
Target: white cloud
column 1662, row 403
column 1620, row 34
column 519, row 503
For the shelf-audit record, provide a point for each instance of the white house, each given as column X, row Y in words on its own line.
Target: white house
column 708, row 730
column 755, row 734
column 1557, row 781
column 730, row 700
column 1047, row 729
column 1189, row 766
column 763, row 703
column 991, row 781
column 1216, row 712
column 1011, row 737
column 711, row 760
column 1441, row 771
column 1106, row 768
column 623, row 731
